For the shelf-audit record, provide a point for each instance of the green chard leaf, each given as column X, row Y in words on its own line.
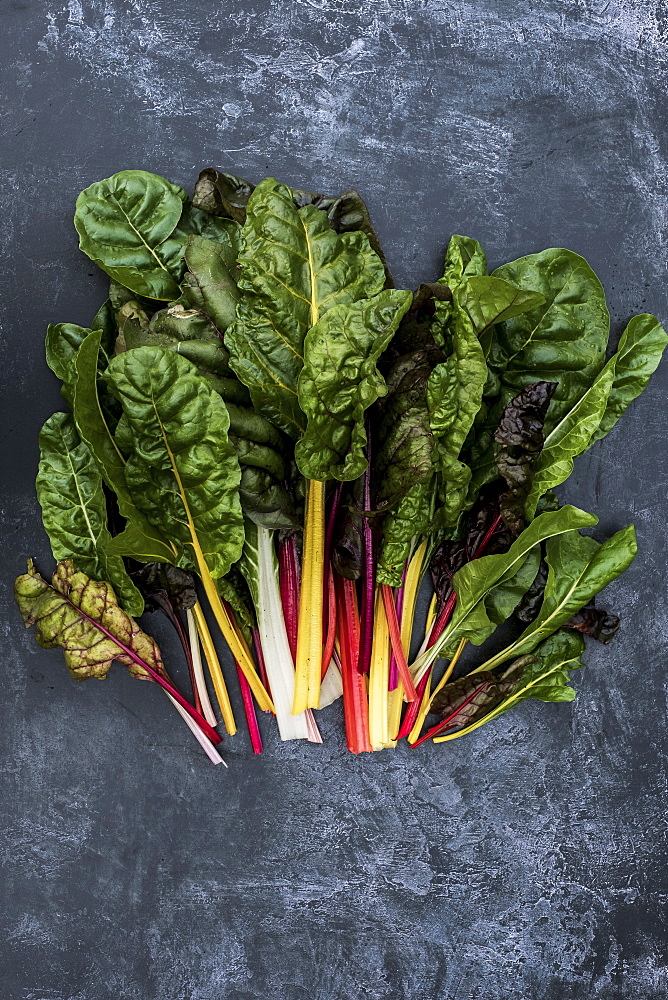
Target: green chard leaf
column 294, row 268
column 63, row 341
column 563, row 340
column 340, row 380
column 637, row 358
column 476, row 579
column 579, row 567
column 74, row 510
column 545, row 675
column 454, row 396
column 181, row 471
column 127, row 225
column 464, row 258
column 411, row 518
column 83, row 617
column 140, row 539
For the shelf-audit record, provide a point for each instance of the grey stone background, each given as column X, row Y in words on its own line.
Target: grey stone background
column 526, row 861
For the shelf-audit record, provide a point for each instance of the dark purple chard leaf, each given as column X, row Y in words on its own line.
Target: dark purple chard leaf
column 519, row 439
column 594, row 622
column 470, row 698
column 163, row 579
column 348, row 541
column 528, row 608
column 415, row 330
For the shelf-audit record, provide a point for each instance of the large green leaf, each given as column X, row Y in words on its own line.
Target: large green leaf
column 140, row 539
column 621, row 380
column 474, row 581
column 83, row 617
column 74, row 510
column 563, row 341
column 294, row 268
column 182, row 471
column 579, row 567
column 637, row 358
column 340, row 381
column 454, row 396
column 126, row 224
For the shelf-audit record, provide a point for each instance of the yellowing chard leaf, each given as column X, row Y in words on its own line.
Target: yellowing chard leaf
column 82, row 616
column 340, row 381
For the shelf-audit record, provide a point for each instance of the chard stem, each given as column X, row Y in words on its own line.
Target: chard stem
column 198, row 682
column 205, row 744
column 249, row 710
column 395, row 639
column 355, row 698
column 309, row 636
column 215, row 672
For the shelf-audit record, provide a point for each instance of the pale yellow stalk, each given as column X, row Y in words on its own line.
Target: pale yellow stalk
column 309, row 635
column 215, row 671
column 429, row 695
column 379, row 675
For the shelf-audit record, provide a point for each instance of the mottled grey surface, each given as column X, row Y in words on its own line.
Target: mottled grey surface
column 526, row 861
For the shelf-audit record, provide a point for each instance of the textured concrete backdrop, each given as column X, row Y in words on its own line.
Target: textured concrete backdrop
column 523, row 863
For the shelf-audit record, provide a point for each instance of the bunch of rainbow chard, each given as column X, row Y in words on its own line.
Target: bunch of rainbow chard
column 264, row 430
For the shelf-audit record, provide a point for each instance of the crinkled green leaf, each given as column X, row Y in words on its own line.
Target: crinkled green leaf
column 181, row 471
column 411, row 518
column 464, row 258
column 579, row 567
column 454, row 395
column 474, row 581
column 74, row 510
column 637, row 358
column 519, row 439
column 140, row 539
column 126, row 225
column 83, row 617
column 563, row 341
column 222, row 194
column 294, row 268
column 340, row 381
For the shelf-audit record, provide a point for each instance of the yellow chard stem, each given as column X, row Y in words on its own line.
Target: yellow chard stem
column 215, row 671
column 379, row 675
column 411, row 588
column 231, row 637
column 429, row 695
column 309, row 635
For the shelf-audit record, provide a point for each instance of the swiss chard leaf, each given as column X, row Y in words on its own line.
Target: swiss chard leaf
column 63, row 341
column 467, row 699
column 294, row 269
column 544, row 675
column 464, row 258
column 411, row 518
column 579, row 567
column 637, row 358
column 474, row 581
column 83, row 617
column 74, row 511
column 126, row 225
column 140, row 539
column 454, row 396
column 340, row 381
column 182, row 472
column 159, row 580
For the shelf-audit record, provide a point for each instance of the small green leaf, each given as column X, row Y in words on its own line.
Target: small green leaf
column 74, row 511
column 579, row 567
column 127, row 224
